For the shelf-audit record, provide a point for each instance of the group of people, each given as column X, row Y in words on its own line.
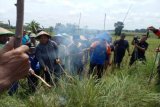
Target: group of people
column 121, row 45
column 50, row 58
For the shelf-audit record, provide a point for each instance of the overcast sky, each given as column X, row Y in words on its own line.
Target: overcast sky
column 143, row 13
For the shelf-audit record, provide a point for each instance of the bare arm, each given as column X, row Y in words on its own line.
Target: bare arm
column 142, row 49
column 14, row 64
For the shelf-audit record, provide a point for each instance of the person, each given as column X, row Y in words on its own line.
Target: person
column 25, row 39
column 154, row 30
column 29, row 33
column 62, row 51
column 99, row 53
column 33, row 41
column 76, row 57
column 14, row 64
column 139, row 50
column 120, row 47
column 35, row 66
column 47, row 55
column 157, row 33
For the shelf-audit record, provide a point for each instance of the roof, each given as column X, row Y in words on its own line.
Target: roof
column 5, row 32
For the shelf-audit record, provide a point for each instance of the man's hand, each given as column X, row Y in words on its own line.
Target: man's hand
column 142, row 49
column 151, row 28
column 154, row 30
column 45, row 69
column 14, row 64
column 158, row 50
column 58, row 61
column 31, row 71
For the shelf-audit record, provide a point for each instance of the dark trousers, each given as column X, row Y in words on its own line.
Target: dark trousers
column 118, row 59
column 99, row 72
column 135, row 57
column 13, row 88
column 57, row 72
column 33, row 81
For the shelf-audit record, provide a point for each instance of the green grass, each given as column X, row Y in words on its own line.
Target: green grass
column 1, row 45
column 127, row 87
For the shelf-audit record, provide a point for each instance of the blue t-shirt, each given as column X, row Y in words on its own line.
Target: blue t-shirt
column 25, row 39
column 34, row 63
column 99, row 55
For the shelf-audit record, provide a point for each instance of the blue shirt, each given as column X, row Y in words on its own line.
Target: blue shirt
column 99, row 55
column 25, row 39
column 34, row 63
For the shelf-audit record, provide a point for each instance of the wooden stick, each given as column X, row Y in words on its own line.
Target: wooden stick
column 65, row 72
column 19, row 23
column 42, row 80
column 152, row 70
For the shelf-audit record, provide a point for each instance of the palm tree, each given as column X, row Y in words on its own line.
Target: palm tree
column 33, row 26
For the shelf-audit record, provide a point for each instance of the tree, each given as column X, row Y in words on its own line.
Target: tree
column 50, row 28
column 118, row 28
column 59, row 28
column 33, row 26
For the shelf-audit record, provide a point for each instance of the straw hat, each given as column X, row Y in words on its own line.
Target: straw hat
column 42, row 33
column 32, row 35
column 5, row 32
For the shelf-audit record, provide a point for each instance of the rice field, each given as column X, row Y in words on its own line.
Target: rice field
column 125, row 87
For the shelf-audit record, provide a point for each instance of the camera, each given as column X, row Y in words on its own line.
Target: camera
column 136, row 39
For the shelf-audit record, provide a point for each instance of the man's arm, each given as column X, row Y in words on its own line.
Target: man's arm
column 158, row 50
column 142, row 48
column 14, row 64
column 127, row 45
column 128, row 51
column 154, row 30
column 133, row 42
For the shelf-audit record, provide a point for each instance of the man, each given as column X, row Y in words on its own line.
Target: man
column 32, row 80
column 139, row 50
column 14, row 64
column 25, row 39
column 33, row 41
column 157, row 33
column 99, row 53
column 47, row 55
column 62, row 51
column 154, row 30
column 120, row 47
column 76, row 57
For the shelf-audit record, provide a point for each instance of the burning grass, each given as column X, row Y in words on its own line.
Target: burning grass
column 127, row 87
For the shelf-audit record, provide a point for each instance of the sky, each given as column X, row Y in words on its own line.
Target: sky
column 143, row 13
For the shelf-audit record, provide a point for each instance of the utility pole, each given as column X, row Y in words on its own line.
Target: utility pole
column 79, row 24
column 104, row 21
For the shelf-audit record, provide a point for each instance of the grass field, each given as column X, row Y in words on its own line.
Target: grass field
column 127, row 87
